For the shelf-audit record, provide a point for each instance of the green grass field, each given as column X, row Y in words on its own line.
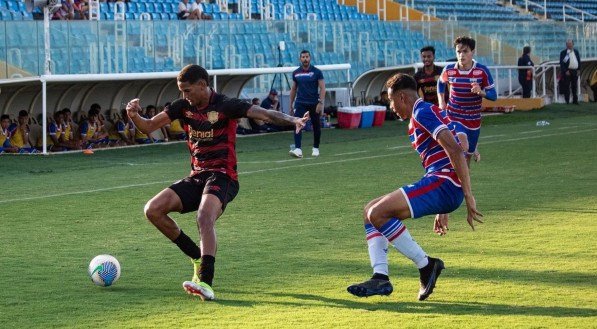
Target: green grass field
column 293, row 239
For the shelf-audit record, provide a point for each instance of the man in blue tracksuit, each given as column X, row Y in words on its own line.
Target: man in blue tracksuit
column 307, row 95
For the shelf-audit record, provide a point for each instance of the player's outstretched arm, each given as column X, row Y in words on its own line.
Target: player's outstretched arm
column 145, row 125
column 454, row 151
column 277, row 118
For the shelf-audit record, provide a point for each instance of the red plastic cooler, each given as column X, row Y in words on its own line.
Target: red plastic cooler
column 349, row 117
column 379, row 116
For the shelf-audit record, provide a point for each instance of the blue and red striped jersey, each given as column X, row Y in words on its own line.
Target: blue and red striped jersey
column 426, row 122
column 463, row 105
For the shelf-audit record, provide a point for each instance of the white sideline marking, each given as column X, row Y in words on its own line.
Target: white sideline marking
column 531, row 131
column 349, row 153
column 282, row 168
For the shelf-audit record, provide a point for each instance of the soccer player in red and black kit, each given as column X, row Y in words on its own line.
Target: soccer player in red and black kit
column 428, row 75
column 209, row 120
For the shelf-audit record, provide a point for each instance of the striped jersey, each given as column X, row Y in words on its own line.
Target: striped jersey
column 463, row 105
column 426, row 122
column 211, row 132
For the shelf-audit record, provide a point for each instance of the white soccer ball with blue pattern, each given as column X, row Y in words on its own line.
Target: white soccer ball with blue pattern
column 104, row 270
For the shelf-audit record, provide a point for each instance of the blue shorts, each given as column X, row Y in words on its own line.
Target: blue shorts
column 436, row 193
column 471, row 134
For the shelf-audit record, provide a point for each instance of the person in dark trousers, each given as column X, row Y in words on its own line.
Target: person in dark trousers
column 306, row 96
column 569, row 66
column 525, row 76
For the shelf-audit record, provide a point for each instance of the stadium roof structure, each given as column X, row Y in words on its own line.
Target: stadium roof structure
column 41, row 94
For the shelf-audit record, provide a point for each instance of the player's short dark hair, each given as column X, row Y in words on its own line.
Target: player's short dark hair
column 23, row 113
column 192, row 73
column 93, row 112
column 150, row 107
column 304, row 51
column 4, row 117
column 95, row 106
column 65, row 110
column 123, row 113
column 383, row 92
column 526, row 50
column 254, row 100
column 465, row 41
column 428, row 48
column 57, row 113
column 401, row 81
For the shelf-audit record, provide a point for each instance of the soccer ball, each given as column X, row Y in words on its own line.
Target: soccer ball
column 104, row 270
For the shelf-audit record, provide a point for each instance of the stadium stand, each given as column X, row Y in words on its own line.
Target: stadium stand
column 556, row 9
column 469, row 10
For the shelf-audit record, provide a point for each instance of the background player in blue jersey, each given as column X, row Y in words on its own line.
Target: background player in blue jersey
column 445, row 184
column 469, row 82
column 307, row 95
column 209, row 120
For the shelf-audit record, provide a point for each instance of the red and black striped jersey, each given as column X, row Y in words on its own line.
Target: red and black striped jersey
column 211, row 132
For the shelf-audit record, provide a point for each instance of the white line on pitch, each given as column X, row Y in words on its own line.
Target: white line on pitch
column 348, row 153
column 285, row 167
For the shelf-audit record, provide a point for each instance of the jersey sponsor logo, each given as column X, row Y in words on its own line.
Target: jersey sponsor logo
column 451, row 72
column 477, row 72
column 201, row 135
column 212, row 117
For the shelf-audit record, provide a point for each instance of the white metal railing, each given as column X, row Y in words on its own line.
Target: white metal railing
column 119, row 11
column 361, row 6
column 268, row 11
column 223, row 5
column 94, row 10
column 404, row 13
column 432, row 11
column 381, row 9
column 532, row 3
column 245, row 9
column 582, row 13
column 289, row 13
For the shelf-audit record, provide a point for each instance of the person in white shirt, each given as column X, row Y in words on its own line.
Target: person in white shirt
column 569, row 66
column 184, row 10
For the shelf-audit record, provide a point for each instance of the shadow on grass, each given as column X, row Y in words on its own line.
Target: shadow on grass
column 428, row 307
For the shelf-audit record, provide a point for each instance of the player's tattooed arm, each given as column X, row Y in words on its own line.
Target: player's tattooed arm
column 277, row 118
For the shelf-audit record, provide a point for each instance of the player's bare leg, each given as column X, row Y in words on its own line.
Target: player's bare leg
column 209, row 211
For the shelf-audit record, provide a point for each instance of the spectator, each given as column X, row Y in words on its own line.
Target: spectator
column 525, row 76
column 184, row 10
column 306, row 96
column 159, row 135
column 56, row 133
column 69, row 128
column 91, row 134
column 141, row 137
column 197, row 11
column 385, row 101
column 66, row 11
column 19, row 134
column 123, row 132
column 271, row 102
column 81, row 9
column 174, row 129
column 569, row 66
column 5, row 145
column 428, row 75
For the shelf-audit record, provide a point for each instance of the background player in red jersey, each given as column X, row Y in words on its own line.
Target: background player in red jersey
column 209, row 120
column 428, row 75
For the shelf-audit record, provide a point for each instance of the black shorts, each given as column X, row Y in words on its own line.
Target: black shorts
column 190, row 190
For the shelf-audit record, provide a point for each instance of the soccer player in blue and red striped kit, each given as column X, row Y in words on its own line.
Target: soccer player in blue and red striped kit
column 441, row 190
column 469, row 82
